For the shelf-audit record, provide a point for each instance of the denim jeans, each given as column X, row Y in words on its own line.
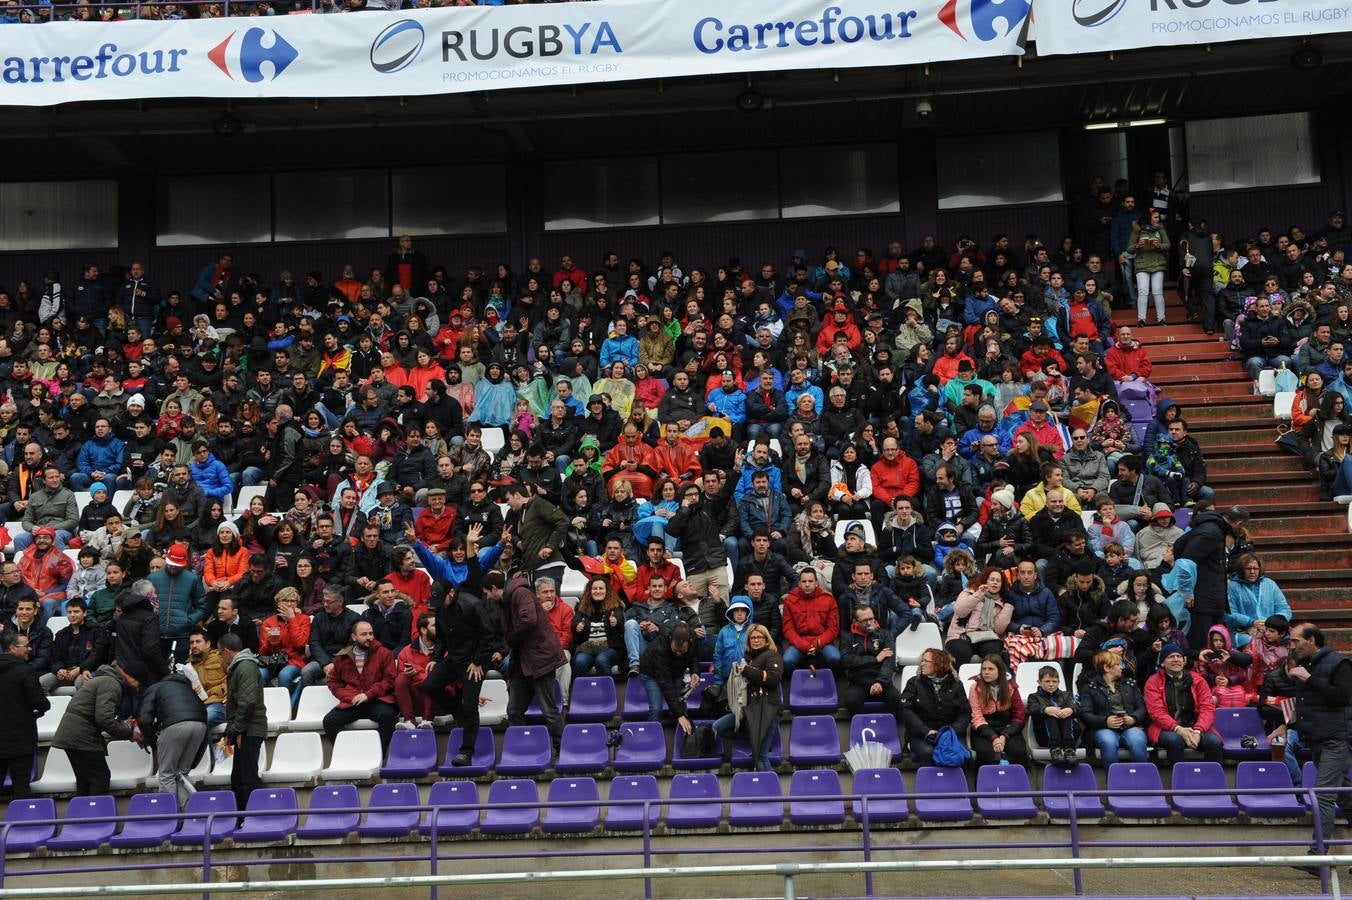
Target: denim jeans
column 828, row 657
column 1209, row 745
column 216, row 715
column 726, row 725
column 635, row 639
column 1109, row 740
column 654, row 692
column 585, row 664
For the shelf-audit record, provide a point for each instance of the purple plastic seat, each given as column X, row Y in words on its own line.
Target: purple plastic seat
column 1194, row 776
column 1233, row 723
column 592, row 699
column 744, row 758
column 883, row 728
column 629, row 816
column 805, row 787
column 1135, row 776
column 1138, row 430
column 680, row 761
column 696, row 697
column 384, row 822
column 702, row 786
column 993, row 783
column 1074, row 777
column 499, row 819
column 1309, row 774
column 1255, row 774
column 326, row 825
column 77, row 834
column 561, row 819
column 880, row 783
column 194, row 830
column 1139, row 410
column 147, row 832
column 268, row 828
column 533, row 713
column 27, row 838
column 583, row 749
column 452, row 821
column 526, row 750
column 413, row 754
column 1183, row 517
column 754, row 800
column 814, row 741
column 812, row 692
column 480, row 761
column 636, row 700
column 643, row 747
column 941, row 779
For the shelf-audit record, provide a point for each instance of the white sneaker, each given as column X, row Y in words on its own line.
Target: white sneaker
column 403, row 725
column 425, row 723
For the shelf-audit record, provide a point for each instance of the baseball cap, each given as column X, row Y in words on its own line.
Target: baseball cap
column 177, row 556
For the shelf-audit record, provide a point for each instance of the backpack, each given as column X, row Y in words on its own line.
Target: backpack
column 699, row 742
column 948, row 749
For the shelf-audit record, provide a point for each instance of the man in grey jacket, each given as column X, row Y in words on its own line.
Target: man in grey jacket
column 246, row 721
column 93, row 712
column 52, row 505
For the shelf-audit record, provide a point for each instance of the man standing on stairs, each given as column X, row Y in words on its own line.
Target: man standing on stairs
column 1204, row 545
column 1320, row 680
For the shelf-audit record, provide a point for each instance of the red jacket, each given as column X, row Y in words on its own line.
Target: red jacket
column 435, row 530
column 675, row 462
column 291, row 637
column 47, row 573
column 412, row 655
column 375, row 680
column 826, row 338
column 561, row 619
column 1121, row 363
column 1047, row 436
column 893, row 479
column 1158, row 709
column 811, row 620
column 667, row 570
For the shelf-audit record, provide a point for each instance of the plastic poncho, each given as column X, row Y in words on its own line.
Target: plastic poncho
column 1181, row 582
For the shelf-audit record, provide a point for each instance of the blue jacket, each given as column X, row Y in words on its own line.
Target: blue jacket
column 619, row 349
column 182, row 599
column 105, row 455
column 731, row 644
column 744, row 483
column 1250, row 603
column 212, row 477
column 792, row 394
column 753, row 517
column 1120, row 232
column 730, row 405
column 1037, row 608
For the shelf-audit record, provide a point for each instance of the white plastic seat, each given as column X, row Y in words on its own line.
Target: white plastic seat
column 359, row 608
column 904, row 674
column 120, row 499
column 315, row 702
column 57, row 775
column 910, row 644
column 277, row 702
column 82, row 499
column 74, row 556
column 1025, row 676
column 495, row 692
column 128, row 764
column 869, row 536
column 493, row 441
column 775, row 446
column 296, row 757
column 356, row 755
column 1087, row 517
column 219, row 773
column 1267, row 382
column 47, row 725
column 1281, row 405
column 966, row 672
column 196, row 775
column 573, row 583
column 56, row 623
column 246, row 495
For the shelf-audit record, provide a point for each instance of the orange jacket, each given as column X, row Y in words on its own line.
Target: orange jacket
column 231, row 566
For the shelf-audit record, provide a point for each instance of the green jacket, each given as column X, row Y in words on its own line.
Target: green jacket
column 93, row 710
column 55, row 508
column 245, row 711
column 1149, row 259
column 103, row 602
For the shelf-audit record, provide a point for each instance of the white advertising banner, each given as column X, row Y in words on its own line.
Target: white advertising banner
column 1089, row 26
column 454, row 50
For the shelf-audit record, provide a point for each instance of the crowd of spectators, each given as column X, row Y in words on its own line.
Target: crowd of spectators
column 836, row 448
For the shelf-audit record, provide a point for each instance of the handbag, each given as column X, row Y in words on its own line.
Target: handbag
column 275, row 661
column 981, row 637
column 698, row 743
column 948, row 750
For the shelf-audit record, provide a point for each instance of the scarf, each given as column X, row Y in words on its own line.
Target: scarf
column 988, row 613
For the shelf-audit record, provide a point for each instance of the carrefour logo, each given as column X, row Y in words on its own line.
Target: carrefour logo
column 1091, row 13
column 979, row 18
column 397, row 46
column 252, row 54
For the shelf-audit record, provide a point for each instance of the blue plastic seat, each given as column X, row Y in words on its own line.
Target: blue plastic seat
column 568, row 819
column 526, row 750
column 268, row 829
column 194, row 830
column 881, row 727
column 25, row 838
column 583, row 749
column 701, row 786
column 941, row 779
column 744, row 758
column 805, row 787
column 880, row 783
column 144, row 833
column 392, row 823
column 592, row 699
column 1233, row 724
column 680, row 761
column 629, row 816
column 1074, row 777
column 78, row 834
column 754, row 800
column 812, row 692
column 636, row 700
column 413, row 754
column 481, row 760
column 1254, row 774
column 533, row 713
column 1193, row 776
column 452, row 821
column 498, row 819
column 814, row 741
column 993, row 783
column 643, row 747
column 320, row 824
column 1135, row 776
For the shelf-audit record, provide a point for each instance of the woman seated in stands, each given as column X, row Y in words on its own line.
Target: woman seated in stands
column 932, row 699
column 980, row 618
column 1113, row 710
column 997, row 715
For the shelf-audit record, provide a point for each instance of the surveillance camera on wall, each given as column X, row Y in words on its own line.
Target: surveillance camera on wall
column 924, row 109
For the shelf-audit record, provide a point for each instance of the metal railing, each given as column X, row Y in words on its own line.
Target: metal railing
column 869, row 845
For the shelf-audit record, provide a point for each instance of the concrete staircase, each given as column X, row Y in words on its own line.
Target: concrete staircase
column 1304, row 543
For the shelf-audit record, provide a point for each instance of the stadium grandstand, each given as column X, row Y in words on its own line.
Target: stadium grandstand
column 696, row 449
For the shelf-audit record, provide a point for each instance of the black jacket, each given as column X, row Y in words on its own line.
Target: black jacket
column 1015, row 527
column 817, row 480
column 925, row 707
column 859, row 657
column 393, row 629
column 780, row 577
column 256, row 600
column 1096, row 703
column 87, row 650
column 329, row 635
column 697, row 528
column 669, row 671
column 22, row 703
column 468, row 631
column 136, row 636
column 1204, row 544
column 170, row 701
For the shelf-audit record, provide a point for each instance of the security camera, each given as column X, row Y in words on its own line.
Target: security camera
column 924, row 109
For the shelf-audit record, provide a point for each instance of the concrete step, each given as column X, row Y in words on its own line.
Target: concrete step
column 1163, row 334
column 1237, row 470
column 1231, row 494
column 1247, row 434
column 1304, row 558
column 1297, row 521
column 1203, row 372
column 1174, row 313
column 1223, row 410
column 1164, row 354
column 1191, row 393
